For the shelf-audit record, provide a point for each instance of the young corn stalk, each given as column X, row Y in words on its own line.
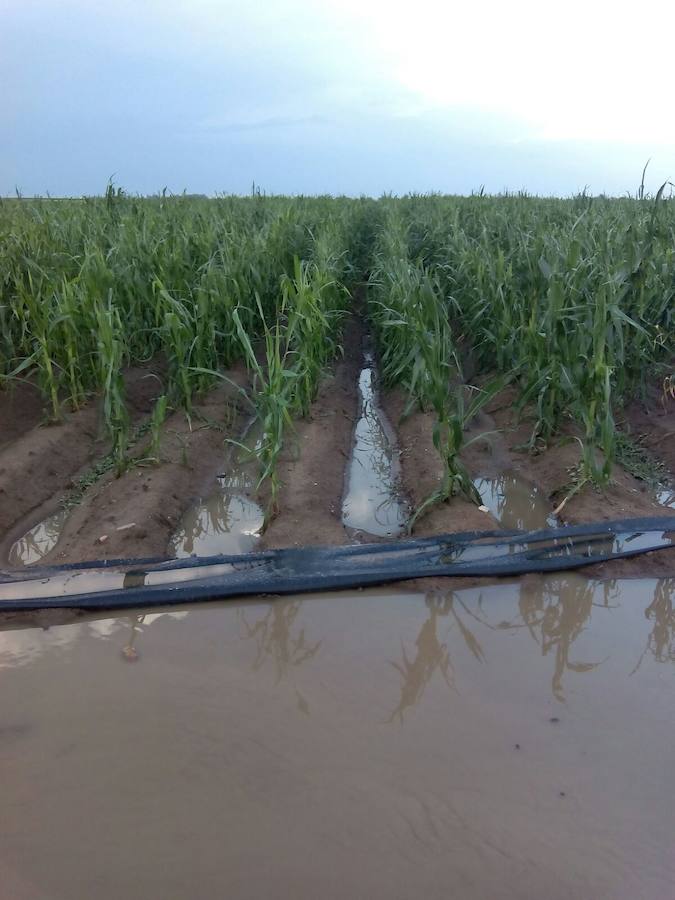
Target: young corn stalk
column 110, row 354
column 272, row 395
column 417, row 350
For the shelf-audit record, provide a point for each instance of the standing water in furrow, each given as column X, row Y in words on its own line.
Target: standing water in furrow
column 228, row 520
column 372, row 502
column 515, row 503
column 665, row 494
column 38, row 540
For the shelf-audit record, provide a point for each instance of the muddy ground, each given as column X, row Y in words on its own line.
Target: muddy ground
column 135, row 515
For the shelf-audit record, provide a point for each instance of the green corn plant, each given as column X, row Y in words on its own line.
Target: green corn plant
column 272, row 397
column 157, row 419
column 110, row 352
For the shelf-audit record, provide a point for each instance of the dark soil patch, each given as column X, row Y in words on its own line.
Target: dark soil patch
column 21, row 408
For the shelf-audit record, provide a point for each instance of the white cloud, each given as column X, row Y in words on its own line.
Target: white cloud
column 479, row 80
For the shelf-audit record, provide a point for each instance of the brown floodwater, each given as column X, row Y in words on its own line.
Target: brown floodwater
column 512, row 741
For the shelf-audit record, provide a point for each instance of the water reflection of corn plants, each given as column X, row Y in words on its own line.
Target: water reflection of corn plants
column 661, row 640
column 129, row 651
column 373, row 503
column 224, row 523
column 38, row 541
column 281, row 640
column 431, row 654
column 556, row 614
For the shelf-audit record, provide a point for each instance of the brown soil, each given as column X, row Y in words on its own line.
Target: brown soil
column 421, row 472
column 550, row 471
column 653, row 423
column 37, row 467
column 21, row 408
column 152, row 497
column 312, row 471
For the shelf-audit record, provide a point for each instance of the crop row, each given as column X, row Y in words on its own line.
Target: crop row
column 570, row 300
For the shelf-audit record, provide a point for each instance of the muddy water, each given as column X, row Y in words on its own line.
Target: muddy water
column 508, row 742
column 228, row 520
column 515, row 503
column 372, row 503
column 38, row 540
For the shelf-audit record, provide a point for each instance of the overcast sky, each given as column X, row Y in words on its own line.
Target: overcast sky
column 335, row 96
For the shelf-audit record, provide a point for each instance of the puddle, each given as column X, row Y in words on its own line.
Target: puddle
column 228, row 520
column 38, row 541
column 372, row 502
column 665, row 495
column 515, row 503
column 485, row 738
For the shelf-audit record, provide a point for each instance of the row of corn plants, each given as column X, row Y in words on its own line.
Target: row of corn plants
column 90, row 287
column 300, row 340
column 574, row 298
column 410, row 318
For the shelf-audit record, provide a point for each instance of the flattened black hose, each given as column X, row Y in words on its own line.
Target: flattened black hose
column 124, row 583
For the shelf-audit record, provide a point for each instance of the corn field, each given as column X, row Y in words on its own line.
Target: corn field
column 570, row 301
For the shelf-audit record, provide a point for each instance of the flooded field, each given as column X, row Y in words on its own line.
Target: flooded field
column 504, row 742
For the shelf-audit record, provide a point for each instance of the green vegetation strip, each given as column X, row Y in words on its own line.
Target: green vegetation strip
column 572, row 301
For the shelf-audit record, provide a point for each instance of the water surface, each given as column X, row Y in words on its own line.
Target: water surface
column 373, row 503
column 516, row 503
column 228, row 520
column 38, row 541
column 510, row 741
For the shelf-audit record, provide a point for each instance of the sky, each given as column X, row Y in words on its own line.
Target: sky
column 335, row 96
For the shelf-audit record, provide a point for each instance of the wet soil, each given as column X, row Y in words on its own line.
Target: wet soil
column 313, row 468
column 136, row 514
column 506, row 742
column 652, row 421
column 40, row 462
column 21, row 408
column 39, row 466
column 422, row 473
column 551, row 471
